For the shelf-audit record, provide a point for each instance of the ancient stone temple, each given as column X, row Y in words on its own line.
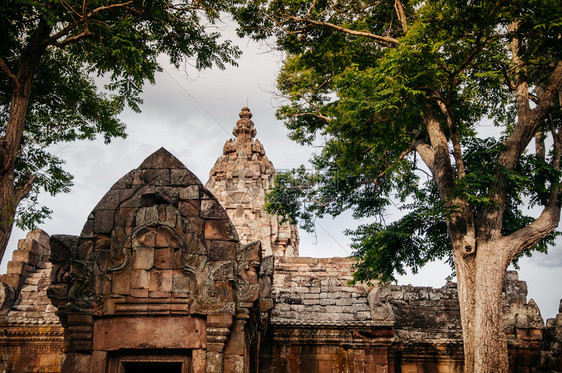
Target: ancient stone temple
column 159, row 280
column 240, row 179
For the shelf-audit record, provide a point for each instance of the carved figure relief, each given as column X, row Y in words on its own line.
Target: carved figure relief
column 249, row 262
column 381, row 309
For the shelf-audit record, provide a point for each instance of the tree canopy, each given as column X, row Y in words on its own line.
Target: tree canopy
column 400, row 95
column 53, row 56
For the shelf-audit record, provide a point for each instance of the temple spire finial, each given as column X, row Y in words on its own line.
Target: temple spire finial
column 244, row 130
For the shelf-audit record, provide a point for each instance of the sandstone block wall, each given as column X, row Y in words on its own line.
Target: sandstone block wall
column 319, row 323
column 31, row 336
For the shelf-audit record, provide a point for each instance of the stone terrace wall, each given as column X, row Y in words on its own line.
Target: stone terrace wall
column 316, row 290
column 31, row 337
column 426, row 313
column 319, row 323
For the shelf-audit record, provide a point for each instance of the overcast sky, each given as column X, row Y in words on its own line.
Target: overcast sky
column 192, row 115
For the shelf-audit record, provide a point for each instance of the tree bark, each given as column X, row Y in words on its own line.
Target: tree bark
column 480, row 280
column 10, row 193
column 490, row 342
column 8, row 210
column 466, row 270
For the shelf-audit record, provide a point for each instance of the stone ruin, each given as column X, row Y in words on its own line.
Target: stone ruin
column 160, row 281
column 240, row 179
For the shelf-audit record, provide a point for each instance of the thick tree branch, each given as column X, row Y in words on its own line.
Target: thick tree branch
column 53, row 38
column 528, row 123
column 526, row 237
column 460, row 218
column 23, row 189
column 401, row 14
column 441, row 168
column 425, row 152
column 520, row 83
column 387, row 41
column 452, row 124
column 13, row 78
column 15, row 124
column 74, row 38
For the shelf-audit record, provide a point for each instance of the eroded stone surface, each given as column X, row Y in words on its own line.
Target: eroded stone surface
column 159, row 267
column 240, row 180
column 31, row 336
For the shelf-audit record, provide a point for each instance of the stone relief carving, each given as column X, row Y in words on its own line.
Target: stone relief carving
column 381, row 309
column 81, row 294
column 217, row 294
column 266, row 285
column 191, row 258
column 70, row 288
column 249, row 261
column 7, row 297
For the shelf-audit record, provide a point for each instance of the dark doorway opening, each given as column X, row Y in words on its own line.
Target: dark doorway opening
column 152, row 367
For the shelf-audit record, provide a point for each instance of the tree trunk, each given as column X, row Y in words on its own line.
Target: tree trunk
column 489, row 330
column 480, row 281
column 465, row 268
column 7, row 212
column 10, row 193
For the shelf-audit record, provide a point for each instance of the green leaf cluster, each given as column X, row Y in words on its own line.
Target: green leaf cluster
column 90, row 42
column 364, row 99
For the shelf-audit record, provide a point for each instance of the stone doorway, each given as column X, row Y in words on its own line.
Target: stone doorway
column 156, row 362
column 152, row 367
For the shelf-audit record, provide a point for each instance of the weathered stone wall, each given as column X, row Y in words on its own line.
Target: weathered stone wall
column 31, row 337
column 319, row 323
column 550, row 355
column 158, row 275
column 240, row 180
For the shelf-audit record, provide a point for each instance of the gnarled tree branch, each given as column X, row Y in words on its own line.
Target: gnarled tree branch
column 6, row 69
column 387, row 41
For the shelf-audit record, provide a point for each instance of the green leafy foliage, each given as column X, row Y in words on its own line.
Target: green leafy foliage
column 360, row 81
column 115, row 42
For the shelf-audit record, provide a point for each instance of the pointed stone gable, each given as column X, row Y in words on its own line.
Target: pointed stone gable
column 240, row 180
column 158, row 266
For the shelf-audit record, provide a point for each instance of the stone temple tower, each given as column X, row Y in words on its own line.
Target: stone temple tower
column 240, row 179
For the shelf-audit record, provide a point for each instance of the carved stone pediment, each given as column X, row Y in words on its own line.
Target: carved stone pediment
column 158, row 246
